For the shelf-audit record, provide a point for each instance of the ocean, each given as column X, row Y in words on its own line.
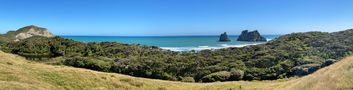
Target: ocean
column 174, row 43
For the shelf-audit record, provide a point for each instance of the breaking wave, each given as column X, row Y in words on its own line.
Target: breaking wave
column 198, row 48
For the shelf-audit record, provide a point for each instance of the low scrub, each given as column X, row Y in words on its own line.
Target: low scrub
column 217, row 76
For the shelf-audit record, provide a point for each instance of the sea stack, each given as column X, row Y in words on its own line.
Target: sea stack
column 224, row 37
column 252, row 36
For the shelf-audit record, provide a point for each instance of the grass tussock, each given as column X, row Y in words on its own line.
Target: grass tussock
column 16, row 73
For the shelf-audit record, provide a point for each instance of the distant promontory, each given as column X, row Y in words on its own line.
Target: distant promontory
column 25, row 32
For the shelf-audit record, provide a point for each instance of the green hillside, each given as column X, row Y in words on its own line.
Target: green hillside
column 11, row 35
column 296, row 54
column 19, row 74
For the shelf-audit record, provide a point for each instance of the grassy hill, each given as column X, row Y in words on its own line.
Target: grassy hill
column 18, row 73
column 27, row 30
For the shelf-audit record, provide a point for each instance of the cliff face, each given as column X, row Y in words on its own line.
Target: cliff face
column 26, row 32
column 251, row 36
column 224, row 37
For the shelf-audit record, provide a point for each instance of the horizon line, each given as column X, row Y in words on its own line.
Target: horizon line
column 156, row 35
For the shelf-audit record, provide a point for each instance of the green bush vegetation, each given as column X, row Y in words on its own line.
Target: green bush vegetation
column 187, row 79
column 282, row 57
column 236, row 74
column 217, row 76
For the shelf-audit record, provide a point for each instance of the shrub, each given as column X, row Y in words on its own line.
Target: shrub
column 75, row 61
column 187, row 79
column 236, row 74
column 217, row 76
column 304, row 69
column 328, row 62
column 99, row 65
column 89, row 63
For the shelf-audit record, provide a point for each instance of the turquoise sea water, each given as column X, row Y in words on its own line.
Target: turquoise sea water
column 174, row 43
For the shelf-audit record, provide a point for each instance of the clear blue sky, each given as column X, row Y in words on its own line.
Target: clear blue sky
column 176, row 17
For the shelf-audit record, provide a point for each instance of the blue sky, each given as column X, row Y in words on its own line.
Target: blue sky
column 176, row 17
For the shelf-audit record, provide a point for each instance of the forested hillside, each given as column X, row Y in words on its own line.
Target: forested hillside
column 17, row 73
column 295, row 54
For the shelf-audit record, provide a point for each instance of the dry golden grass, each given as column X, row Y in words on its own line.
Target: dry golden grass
column 338, row 76
column 19, row 74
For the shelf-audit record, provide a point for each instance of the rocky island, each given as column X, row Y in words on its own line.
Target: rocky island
column 224, row 37
column 252, row 36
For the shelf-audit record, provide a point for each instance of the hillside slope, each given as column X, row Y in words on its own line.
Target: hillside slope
column 18, row 73
column 25, row 32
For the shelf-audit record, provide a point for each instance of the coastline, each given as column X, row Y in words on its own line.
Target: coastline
column 173, row 43
column 199, row 48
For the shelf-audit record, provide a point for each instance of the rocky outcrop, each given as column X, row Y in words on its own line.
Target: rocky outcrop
column 251, row 36
column 224, row 37
column 27, row 32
